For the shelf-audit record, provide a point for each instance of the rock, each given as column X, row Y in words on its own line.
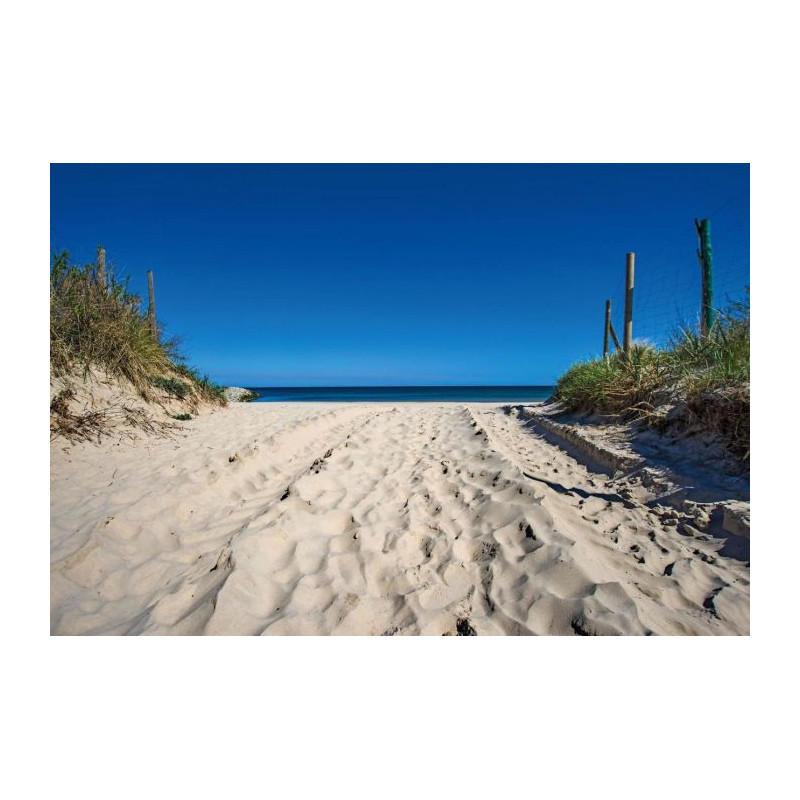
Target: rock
column 236, row 394
column 736, row 519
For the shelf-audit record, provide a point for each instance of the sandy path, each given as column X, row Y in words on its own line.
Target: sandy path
column 369, row 519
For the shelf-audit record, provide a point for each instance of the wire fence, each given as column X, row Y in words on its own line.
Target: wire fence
column 668, row 280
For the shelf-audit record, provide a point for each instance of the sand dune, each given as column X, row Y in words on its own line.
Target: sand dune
column 372, row 519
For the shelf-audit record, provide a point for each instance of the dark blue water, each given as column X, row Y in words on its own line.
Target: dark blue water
column 397, row 394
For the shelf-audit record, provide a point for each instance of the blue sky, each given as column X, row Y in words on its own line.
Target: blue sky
column 391, row 274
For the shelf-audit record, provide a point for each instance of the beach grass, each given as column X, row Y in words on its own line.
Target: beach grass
column 700, row 382
column 98, row 323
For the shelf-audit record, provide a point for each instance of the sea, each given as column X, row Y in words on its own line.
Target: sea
column 399, row 394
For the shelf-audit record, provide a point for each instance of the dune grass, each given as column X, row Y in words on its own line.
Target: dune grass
column 102, row 325
column 703, row 380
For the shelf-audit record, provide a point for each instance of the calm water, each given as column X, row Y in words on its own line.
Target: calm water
column 394, row 394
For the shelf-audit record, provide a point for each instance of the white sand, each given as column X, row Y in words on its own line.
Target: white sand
column 370, row 519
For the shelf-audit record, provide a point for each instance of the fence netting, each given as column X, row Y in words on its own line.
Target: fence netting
column 668, row 279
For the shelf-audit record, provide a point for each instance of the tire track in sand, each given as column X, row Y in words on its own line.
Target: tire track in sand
column 679, row 583
column 416, row 526
column 416, row 519
column 156, row 564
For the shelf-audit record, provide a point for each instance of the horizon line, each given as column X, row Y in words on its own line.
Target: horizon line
column 417, row 386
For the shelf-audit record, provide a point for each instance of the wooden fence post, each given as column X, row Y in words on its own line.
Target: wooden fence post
column 614, row 336
column 627, row 331
column 101, row 267
column 607, row 329
column 151, row 311
column 704, row 256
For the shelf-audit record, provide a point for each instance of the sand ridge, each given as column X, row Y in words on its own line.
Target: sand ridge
column 370, row 519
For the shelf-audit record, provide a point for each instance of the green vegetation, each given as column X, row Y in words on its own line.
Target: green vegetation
column 701, row 382
column 172, row 387
column 182, row 417
column 206, row 387
column 102, row 326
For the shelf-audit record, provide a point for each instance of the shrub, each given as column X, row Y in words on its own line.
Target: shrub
column 172, row 386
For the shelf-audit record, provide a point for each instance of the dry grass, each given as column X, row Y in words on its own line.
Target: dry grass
column 92, row 425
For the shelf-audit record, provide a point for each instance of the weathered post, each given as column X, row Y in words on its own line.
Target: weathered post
column 704, row 256
column 627, row 331
column 101, row 267
column 607, row 329
column 151, row 311
column 614, row 336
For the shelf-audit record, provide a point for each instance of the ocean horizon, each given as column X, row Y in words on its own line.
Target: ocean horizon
column 395, row 394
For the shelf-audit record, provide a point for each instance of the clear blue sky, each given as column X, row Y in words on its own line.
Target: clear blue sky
column 304, row 275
